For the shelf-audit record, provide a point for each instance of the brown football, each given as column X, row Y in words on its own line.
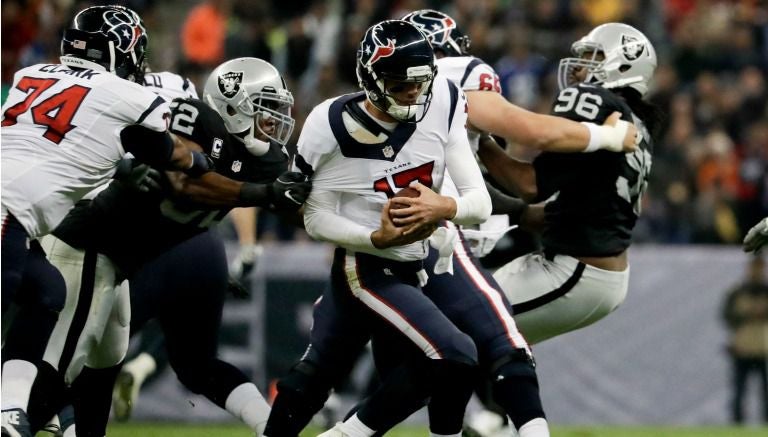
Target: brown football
column 405, row 192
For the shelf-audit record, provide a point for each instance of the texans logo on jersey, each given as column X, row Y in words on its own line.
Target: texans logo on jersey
column 229, row 83
column 125, row 27
column 631, row 47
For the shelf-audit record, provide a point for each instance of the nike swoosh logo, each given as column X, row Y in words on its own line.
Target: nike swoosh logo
column 288, row 195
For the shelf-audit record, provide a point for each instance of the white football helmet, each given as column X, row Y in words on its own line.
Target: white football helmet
column 629, row 58
column 249, row 93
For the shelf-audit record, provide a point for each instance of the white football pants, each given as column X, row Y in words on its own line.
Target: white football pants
column 94, row 327
column 552, row 297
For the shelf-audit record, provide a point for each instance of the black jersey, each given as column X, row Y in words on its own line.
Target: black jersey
column 596, row 195
column 132, row 227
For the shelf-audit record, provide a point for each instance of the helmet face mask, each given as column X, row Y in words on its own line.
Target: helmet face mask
column 252, row 98
column 392, row 55
column 441, row 30
column 111, row 38
column 628, row 59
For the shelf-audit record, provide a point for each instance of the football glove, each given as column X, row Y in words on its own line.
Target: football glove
column 757, row 237
column 138, row 176
column 289, row 191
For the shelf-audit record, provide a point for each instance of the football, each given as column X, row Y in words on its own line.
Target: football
column 405, row 192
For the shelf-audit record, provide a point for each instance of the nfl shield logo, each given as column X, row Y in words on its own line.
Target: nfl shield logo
column 388, row 151
column 236, row 166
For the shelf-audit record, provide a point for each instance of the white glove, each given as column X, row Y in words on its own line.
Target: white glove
column 757, row 237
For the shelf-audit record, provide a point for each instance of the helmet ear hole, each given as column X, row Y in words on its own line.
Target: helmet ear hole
column 624, row 68
column 231, row 110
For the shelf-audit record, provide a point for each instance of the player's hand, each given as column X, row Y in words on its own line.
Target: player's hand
column 757, row 237
column 238, row 289
column 289, row 191
column 428, row 208
column 630, row 136
column 140, row 177
column 390, row 235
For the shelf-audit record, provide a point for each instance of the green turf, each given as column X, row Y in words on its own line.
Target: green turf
column 186, row 430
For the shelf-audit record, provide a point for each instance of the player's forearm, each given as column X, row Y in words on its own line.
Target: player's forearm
column 504, row 204
column 490, row 112
column 516, row 177
column 333, row 228
column 215, row 190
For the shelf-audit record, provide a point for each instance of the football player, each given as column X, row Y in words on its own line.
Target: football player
column 176, row 267
column 382, row 140
column 583, row 273
column 65, row 128
column 490, row 113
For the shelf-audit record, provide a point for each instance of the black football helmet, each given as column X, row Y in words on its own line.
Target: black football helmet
column 395, row 50
column 113, row 37
column 441, row 30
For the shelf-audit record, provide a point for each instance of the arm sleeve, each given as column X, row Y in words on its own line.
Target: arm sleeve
column 473, row 204
column 323, row 223
column 147, row 145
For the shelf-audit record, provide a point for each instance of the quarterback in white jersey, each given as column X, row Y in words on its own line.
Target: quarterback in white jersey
column 353, row 179
column 360, row 149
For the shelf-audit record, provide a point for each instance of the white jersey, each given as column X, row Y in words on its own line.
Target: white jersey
column 61, row 137
column 170, row 85
column 472, row 74
column 353, row 176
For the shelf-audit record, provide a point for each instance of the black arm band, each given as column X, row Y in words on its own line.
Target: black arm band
column 255, row 194
column 504, row 204
column 201, row 164
column 147, row 145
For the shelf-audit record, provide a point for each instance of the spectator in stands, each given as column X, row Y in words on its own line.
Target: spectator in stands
column 746, row 314
column 203, row 34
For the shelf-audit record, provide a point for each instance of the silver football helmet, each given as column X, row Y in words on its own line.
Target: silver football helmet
column 251, row 97
column 629, row 58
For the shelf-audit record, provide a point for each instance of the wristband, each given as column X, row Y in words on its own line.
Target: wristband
column 252, row 194
column 201, row 164
column 595, row 137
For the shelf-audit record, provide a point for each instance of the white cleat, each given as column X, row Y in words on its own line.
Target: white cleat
column 486, row 423
column 124, row 395
column 337, row 431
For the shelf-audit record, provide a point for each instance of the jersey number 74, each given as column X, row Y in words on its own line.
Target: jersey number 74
column 55, row 113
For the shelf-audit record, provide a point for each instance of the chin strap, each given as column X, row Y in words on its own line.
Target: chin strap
column 254, row 145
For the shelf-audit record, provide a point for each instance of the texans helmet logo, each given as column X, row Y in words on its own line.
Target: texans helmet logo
column 380, row 50
column 126, row 28
column 632, row 47
column 229, row 83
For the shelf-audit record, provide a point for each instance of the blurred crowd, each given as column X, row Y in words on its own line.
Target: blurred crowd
column 709, row 182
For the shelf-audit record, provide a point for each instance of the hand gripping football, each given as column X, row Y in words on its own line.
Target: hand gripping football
column 405, row 192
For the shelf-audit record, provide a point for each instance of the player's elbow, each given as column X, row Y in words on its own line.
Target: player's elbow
column 311, row 224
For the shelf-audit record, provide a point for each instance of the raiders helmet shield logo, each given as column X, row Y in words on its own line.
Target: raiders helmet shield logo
column 229, row 83
column 631, row 47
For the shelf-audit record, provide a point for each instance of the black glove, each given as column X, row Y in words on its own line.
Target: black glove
column 238, row 290
column 289, row 191
column 140, row 177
